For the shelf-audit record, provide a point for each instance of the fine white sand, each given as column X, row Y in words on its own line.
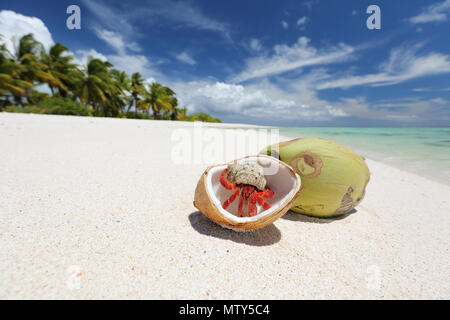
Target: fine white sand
column 99, row 208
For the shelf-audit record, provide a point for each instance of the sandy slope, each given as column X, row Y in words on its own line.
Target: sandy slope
column 96, row 208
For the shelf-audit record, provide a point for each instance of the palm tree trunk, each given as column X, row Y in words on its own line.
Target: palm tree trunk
column 155, row 112
column 130, row 105
column 5, row 102
column 28, row 97
column 62, row 93
column 18, row 101
column 135, row 108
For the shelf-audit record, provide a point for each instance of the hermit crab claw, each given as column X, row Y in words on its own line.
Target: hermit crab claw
column 247, row 193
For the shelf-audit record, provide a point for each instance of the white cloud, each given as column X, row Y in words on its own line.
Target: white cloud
column 187, row 14
column 286, row 58
column 310, row 4
column 222, row 97
column 14, row 25
column 284, row 24
column 112, row 18
column 129, row 63
column 263, row 101
column 413, row 110
column 302, row 22
column 186, row 58
column 149, row 80
column 119, row 36
column 123, row 60
column 430, row 89
column 299, row 102
column 404, row 64
column 134, row 63
column 255, row 45
column 437, row 12
column 82, row 56
column 170, row 13
column 115, row 40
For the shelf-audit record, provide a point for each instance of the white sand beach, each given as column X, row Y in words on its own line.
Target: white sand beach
column 96, row 208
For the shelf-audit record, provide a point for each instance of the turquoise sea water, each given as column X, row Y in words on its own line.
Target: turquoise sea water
column 425, row 151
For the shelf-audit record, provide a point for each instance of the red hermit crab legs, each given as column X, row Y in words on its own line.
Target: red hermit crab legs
column 248, row 178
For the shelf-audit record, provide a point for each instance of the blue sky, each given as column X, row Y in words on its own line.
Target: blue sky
column 267, row 62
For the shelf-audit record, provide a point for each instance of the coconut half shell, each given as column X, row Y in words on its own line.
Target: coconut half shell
column 281, row 178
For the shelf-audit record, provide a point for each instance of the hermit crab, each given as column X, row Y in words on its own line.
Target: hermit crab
column 266, row 186
column 248, row 178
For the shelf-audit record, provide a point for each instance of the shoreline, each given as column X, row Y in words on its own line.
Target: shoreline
column 96, row 208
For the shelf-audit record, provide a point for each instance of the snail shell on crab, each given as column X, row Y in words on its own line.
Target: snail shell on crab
column 247, row 173
column 279, row 177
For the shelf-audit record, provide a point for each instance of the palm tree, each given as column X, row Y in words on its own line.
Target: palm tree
column 31, row 69
column 27, row 52
column 10, row 82
column 172, row 113
column 107, row 90
column 59, row 65
column 121, row 79
column 17, row 88
column 175, row 111
column 119, row 96
column 136, row 89
column 157, row 98
column 96, row 84
column 181, row 113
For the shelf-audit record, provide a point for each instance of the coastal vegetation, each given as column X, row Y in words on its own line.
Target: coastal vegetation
column 95, row 89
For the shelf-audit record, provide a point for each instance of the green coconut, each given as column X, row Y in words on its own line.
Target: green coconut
column 334, row 177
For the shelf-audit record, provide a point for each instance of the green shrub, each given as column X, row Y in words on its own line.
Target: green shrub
column 132, row 115
column 36, row 97
column 15, row 109
column 204, row 117
column 33, row 109
column 64, row 106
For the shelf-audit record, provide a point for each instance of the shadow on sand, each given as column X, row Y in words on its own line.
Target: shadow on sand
column 293, row 216
column 263, row 237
